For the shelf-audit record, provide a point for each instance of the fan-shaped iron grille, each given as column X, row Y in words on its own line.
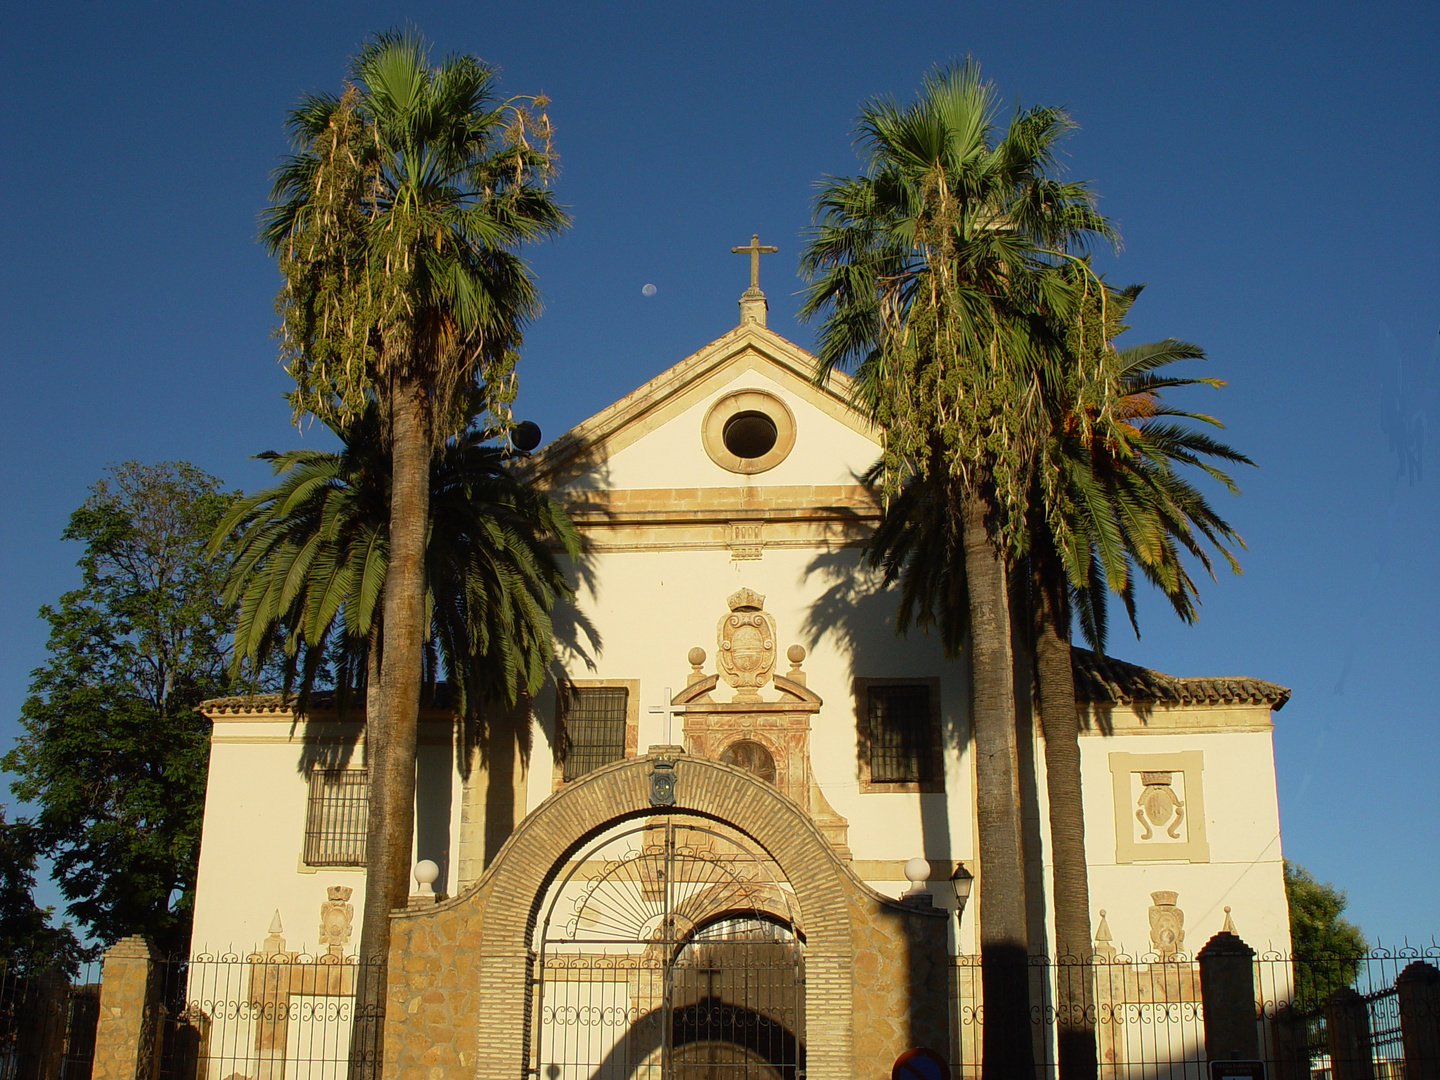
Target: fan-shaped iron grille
column 668, row 950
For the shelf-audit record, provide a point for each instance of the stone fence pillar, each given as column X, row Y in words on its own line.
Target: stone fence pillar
column 1227, row 988
column 1347, row 1031
column 125, row 1038
column 1418, row 988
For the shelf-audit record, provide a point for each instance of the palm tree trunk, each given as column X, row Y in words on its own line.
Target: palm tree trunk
column 1007, row 1052
column 1059, row 720
column 392, row 769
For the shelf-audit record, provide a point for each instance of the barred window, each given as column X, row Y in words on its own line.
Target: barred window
column 593, row 720
column 336, row 816
column 902, row 734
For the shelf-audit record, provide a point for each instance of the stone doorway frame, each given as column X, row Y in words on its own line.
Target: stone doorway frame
column 459, row 974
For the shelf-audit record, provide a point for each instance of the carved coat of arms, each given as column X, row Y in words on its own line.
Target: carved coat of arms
column 1167, row 924
column 1159, row 806
column 746, row 645
column 336, row 914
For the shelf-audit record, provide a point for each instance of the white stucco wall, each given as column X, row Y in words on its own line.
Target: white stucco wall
column 1242, row 829
column 652, row 600
column 826, row 450
column 251, row 855
column 653, row 607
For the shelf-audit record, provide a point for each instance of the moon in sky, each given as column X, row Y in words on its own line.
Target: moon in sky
column 648, row 289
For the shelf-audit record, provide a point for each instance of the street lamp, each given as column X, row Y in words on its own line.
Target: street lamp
column 963, row 881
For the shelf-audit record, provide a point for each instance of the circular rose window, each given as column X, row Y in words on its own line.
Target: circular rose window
column 748, row 431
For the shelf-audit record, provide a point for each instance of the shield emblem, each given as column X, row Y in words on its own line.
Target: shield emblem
column 746, row 640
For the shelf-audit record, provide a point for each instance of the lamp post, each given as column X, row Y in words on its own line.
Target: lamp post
column 963, row 881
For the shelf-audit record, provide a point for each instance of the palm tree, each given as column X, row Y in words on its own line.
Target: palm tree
column 311, row 554
column 395, row 225
column 936, row 276
column 1112, row 494
column 309, row 570
column 1112, row 507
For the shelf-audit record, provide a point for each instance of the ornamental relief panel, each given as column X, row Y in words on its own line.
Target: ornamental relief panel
column 1159, row 807
column 768, row 736
column 745, row 640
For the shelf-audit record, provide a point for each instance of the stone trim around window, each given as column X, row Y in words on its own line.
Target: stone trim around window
column 1159, row 807
column 729, row 406
column 936, row 782
column 632, row 722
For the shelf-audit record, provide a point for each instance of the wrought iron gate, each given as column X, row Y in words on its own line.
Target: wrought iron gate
column 668, row 951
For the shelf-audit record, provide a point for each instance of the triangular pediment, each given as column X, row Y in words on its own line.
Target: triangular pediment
column 750, row 354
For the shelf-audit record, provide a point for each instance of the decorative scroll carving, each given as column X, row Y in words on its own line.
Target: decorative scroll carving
column 1159, row 806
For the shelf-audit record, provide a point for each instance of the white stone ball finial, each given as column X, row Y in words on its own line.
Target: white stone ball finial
column 917, row 872
column 426, row 871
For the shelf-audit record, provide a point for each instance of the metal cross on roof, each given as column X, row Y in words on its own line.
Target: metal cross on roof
column 755, row 249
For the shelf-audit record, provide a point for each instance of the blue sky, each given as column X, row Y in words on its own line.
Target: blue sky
column 1272, row 168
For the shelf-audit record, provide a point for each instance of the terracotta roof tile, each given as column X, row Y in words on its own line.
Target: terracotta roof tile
column 1105, row 679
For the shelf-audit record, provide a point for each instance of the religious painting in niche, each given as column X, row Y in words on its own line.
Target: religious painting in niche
column 752, row 757
column 1159, row 809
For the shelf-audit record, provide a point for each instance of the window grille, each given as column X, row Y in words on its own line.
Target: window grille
column 593, row 718
column 336, row 816
column 903, row 744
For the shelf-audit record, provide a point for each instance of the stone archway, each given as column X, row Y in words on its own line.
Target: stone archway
column 460, row 970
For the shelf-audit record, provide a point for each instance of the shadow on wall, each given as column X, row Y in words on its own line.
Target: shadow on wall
column 503, row 747
column 852, row 608
column 497, row 742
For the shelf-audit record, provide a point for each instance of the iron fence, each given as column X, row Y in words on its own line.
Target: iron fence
column 1148, row 1014
column 47, row 1021
column 288, row 1016
column 278, row 1016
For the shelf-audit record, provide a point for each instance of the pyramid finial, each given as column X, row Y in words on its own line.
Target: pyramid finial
column 1228, row 927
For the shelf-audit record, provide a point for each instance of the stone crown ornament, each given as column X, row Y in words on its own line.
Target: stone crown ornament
column 745, row 657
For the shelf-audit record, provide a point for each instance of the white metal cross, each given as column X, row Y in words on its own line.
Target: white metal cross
column 669, row 710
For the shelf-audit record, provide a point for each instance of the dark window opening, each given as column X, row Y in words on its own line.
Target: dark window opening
column 903, row 735
column 749, row 435
column 336, row 816
column 592, row 719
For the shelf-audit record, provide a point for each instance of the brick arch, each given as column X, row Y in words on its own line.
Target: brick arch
column 495, row 918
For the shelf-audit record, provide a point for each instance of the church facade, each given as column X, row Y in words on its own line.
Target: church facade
column 693, row 845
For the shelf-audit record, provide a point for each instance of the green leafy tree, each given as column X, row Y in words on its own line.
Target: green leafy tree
column 936, row 279
column 28, row 941
column 113, row 756
column 396, row 225
column 1326, row 948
